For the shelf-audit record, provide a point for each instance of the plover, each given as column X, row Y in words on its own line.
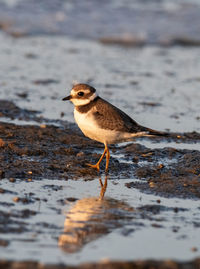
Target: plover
column 103, row 122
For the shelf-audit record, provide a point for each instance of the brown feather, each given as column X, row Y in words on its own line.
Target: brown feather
column 110, row 117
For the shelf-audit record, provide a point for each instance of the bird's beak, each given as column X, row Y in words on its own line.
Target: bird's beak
column 67, row 98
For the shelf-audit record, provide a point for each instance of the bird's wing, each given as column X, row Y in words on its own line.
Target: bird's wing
column 110, row 117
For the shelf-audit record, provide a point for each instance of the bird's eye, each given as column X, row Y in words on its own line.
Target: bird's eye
column 80, row 93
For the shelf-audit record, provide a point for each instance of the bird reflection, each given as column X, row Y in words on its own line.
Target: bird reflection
column 103, row 188
column 90, row 218
column 82, row 223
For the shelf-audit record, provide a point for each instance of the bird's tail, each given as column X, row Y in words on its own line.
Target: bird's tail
column 154, row 132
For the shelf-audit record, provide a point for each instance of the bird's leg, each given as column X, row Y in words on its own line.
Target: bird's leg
column 103, row 188
column 99, row 161
column 107, row 157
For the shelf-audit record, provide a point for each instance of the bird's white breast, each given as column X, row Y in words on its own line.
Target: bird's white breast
column 90, row 128
column 87, row 124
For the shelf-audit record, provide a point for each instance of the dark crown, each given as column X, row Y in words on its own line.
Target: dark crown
column 83, row 87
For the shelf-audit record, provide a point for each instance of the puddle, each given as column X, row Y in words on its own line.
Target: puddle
column 164, row 161
column 176, row 145
column 70, row 223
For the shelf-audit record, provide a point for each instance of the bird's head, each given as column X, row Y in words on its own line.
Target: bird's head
column 81, row 94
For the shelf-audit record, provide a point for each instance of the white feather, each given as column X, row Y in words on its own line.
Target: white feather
column 90, row 128
column 92, row 97
column 80, row 102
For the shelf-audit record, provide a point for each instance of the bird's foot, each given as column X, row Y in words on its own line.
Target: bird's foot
column 96, row 166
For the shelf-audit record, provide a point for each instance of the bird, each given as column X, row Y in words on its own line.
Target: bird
column 101, row 121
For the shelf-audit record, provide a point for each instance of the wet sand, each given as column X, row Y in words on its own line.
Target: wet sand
column 106, row 264
column 48, row 151
column 52, row 209
column 32, row 153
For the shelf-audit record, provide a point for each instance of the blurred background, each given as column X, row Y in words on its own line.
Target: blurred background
column 134, row 22
column 141, row 55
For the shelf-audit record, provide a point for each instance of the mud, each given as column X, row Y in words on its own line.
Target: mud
column 107, row 264
column 30, row 153
column 181, row 178
column 51, row 208
column 46, row 151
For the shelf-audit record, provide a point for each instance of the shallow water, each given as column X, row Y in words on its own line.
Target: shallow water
column 180, row 145
column 172, row 226
column 157, row 87
column 134, row 23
